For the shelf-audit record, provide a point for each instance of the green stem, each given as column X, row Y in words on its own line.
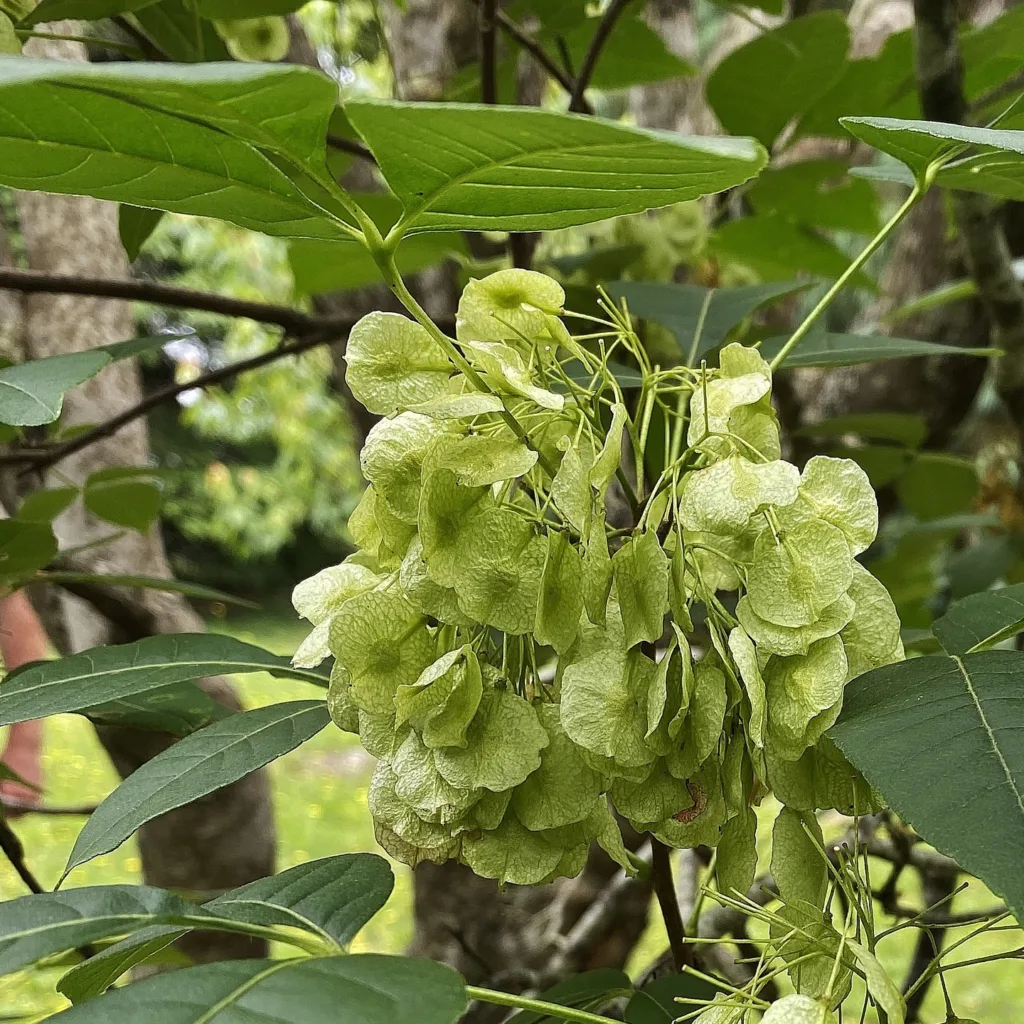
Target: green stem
column 110, row 44
column 826, row 300
column 487, row 995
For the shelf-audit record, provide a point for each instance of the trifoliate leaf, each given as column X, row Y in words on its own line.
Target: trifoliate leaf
column 503, row 747
column 793, row 579
column 792, row 640
column 563, row 789
column 872, row 636
column 737, row 854
column 344, row 713
column 393, row 362
column 604, row 695
column 392, row 459
column 570, row 488
column 459, row 406
column 804, row 695
column 839, row 492
column 509, row 305
column 797, row 1009
column 499, row 581
column 799, row 867
column 640, row 570
column 610, row 455
column 822, row 779
column 420, row 785
column 506, row 371
column 478, row 461
column 561, row 594
column 443, row 701
column 881, row 987
column 701, row 823
column 745, row 656
column 448, row 523
column 389, row 809
column 430, row 598
column 597, row 572
column 512, row 853
column 378, row 734
column 723, row 497
column 383, row 642
column 659, row 796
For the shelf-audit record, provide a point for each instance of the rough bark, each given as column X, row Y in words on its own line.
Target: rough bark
column 227, row 838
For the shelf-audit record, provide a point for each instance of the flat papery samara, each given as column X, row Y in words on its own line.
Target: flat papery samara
column 443, row 700
column 449, row 516
column 792, row 640
column 506, row 371
column 430, row 598
column 640, row 569
column 393, row 363
column 795, row 577
column 839, row 492
column 561, row 594
column 723, row 497
column 510, row 305
column 420, row 785
column 382, row 641
column 478, row 461
column 872, row 636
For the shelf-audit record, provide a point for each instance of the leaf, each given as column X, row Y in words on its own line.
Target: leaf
column 906, row 428
column 935, row 485
column 241, row 142
column 45, row 505
column 80, row 10
column 111, row 673
column 333, row 897
column 656, row 1002
column 364, row 987
column 178, row 709
column 494, row 168
column 25, row 547
column 960, row 718
column 135, row 224
column 237, row 9
column 800, row 59
column 196, row 590
column 207, row 760
column 173, row 28
column 848, row 349
column 589, row 990
column 124, row 497
column 700, row 318
column 981, row 620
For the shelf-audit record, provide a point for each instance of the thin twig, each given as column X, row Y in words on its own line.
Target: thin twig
column 351, row 147
column 27, row 807
column 665, row 890
column 15, row 853
column 488, row 52
column 36, row 282
column 601, row 36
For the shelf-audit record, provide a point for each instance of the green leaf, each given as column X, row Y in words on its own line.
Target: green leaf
column 906, row 428
column 196, row 590
column 522, row 169
column 124, row 497
column 800, row 59
column 44, row 506
column 25, row 547
column 981, row 620
column 177, row 709
column 80, row 10
column 235, row 9
column 935, row 485
column 241, row 142
column 199, row 764
column 332, row 897
column 111, row 673
column 135, row 224
column 589, row 990
column 847, row 349
column 959, row 715
column 174, row 29
column 365, row 987
column 656, row 1002
column 700, row 318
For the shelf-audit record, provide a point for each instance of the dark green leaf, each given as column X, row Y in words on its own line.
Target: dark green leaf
column 981, row 620
column 332, row 897
column 235, row 141
column 80, row 10
column 172, row 28
column 25, row 547
column 823, row 349
column 135, row 224
column 936, row 485
column 364, row 988
column 207, row 760
column 44, row 506
column 778, row 249
column 700, row 318
column 178, row 709
column 978, row 567
column 656, row 1002
column 911, row 725
column 906, row 428
column 818, row 193
column 523, row 169
column 601, row 263
column 590, row 990
column 104, row 674
column 235, row 9
column 32, row 393
column 759, row 88
column 124, row 497
column 195, row 590
column 882, row 463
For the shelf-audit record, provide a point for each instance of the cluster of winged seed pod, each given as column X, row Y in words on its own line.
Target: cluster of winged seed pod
column 514, row 662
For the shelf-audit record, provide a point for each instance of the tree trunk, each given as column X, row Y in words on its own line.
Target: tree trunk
column 227, row 838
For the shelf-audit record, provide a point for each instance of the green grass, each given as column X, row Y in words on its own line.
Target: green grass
column 320, row 805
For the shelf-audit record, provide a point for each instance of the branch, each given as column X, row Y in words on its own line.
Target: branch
column 27, row 807
column 589, row 65
column 351, row 147
column 294, row 321
column 665, row 890
column 15, row 852
column 488, row 52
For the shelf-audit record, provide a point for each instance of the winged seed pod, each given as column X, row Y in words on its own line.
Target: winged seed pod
column 519, row 667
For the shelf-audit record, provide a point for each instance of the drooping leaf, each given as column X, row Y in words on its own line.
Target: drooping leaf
column 823, row 349
column 365, row 987
column 981, row 620
column 111, row 673
column 960, row 715
column 199, row 764
column 700, row 318
column 455, row 166
column 561, row 594
column 135, row 224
